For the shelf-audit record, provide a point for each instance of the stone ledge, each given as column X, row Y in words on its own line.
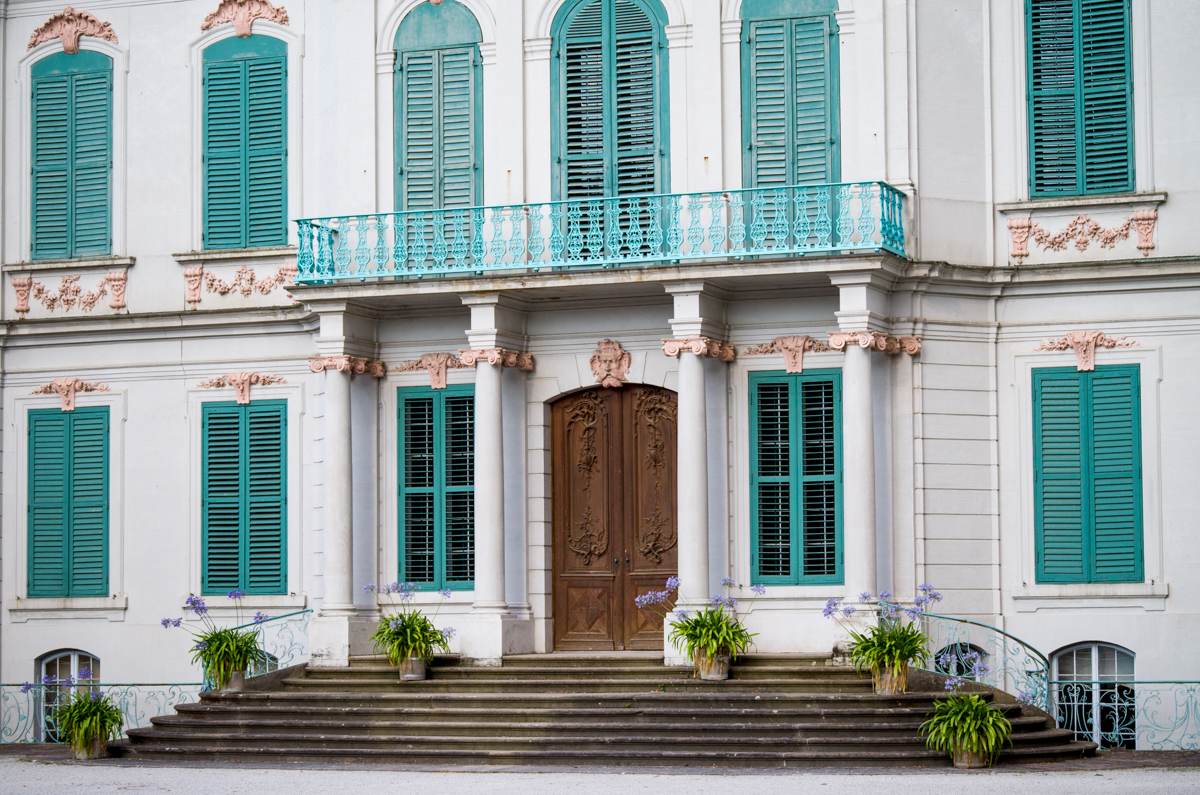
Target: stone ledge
column 1081, row 202
column 108, row 607
column 94, row 264
column 232, row 255
column 1103, row 596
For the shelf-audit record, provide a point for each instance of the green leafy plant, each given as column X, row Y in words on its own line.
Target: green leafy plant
column 84, row 716
column 966, row 724
column 711, row 628
column 408, row 632
column 895, row 641
column 224, row 651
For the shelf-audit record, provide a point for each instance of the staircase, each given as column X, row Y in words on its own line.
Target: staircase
column 568, row 709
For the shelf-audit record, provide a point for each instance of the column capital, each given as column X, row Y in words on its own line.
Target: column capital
column 701, row 346
column 500, row 356
column 874, row 340
column 792, row 348
column 355, row 365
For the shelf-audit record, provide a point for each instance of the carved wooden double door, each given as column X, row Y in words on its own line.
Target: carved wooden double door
column 613, row 499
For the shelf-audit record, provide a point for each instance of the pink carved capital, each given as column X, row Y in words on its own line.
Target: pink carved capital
column 69, row 25
column 66, row 388
column 241, row 383
column 1018, row 229
column 500, row 356
column 193, row 277
column 242, row 14
column 436, row 364
column 874, row 340
column 700, row 346
column 1084, row 343
column 116, row 286
column 356, row 365
column 1144, row 221
column 610, row 364
column 21, row 286
column 792, row 348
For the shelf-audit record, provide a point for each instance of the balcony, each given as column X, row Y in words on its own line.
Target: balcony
column 642, row 231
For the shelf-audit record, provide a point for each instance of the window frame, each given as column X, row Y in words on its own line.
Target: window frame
column 796, row 478
column 439, row 489
column 1096, row 684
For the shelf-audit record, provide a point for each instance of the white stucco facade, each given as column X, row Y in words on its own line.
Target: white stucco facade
column 932, row 101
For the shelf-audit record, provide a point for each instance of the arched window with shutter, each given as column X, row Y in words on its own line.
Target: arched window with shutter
column 608, row 100
column 72, row 156
column 789, row 93
column 438, row 105
column 245, row 143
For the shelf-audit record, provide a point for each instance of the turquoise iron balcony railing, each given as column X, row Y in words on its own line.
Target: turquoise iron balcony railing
column 634, row 230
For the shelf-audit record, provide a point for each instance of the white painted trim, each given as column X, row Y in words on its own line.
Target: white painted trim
column 295, row 98
column 739, row 487
column 16, row 550
column 120, row 59
column 111, row 608
column 545, row 17
column 1101, row 597
column 1149, row 359
column 293, row 393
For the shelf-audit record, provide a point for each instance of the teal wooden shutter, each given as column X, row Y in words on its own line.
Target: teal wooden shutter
column 796, row 478
column 1080, row 97
column 436, row 450
column 1087, row 475
column 244, row 497
column 68, row 502
column 72, row 156
column 245, row 143
column 438, row 121
column 48, row 503
column 609, row 101
column 790, row 106
column 266, row 497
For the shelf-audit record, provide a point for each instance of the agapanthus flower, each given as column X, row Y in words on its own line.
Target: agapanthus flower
column 758, row 589
column 831, row 607
column 396, row 624
column 166, row 622
column 865, row 596
column 370, row 588
column 49, row 679
column 450, row 632
column 26, row 687
column 1026, row 697
column 236, row 594
column 728, row 582
column 260, row 617
column 946, row 660
column 197, row 605
column 200, row 645
column 640, row 601
column 885, row 595
column 979, row 669
column 953, row 683
column 683, row 614
column 445, row 593
column 85, row 673
column 849, row 610
column 97, row 695
column 672, row 583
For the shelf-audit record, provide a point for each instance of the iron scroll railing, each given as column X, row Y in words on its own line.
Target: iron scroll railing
column 27, row 711
column 283, row 640
column 604, row 232
column 1141, row 715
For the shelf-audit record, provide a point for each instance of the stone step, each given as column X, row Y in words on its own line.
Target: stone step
column 381, row 670
column 594, row 685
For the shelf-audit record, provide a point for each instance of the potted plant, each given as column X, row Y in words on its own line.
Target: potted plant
column 711, row 637
column 225, row 653
column 965, row 726
column 408, row 637
column 87, row 719
column 891, row 644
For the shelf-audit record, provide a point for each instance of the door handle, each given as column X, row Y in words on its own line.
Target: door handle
column 616, row 564
column 626, row 563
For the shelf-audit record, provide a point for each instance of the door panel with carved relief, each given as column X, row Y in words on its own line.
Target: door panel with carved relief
column 614, row 531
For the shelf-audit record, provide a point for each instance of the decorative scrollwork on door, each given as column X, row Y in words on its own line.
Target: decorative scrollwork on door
column 583, row 537
column 586, row 540
column 656, row 535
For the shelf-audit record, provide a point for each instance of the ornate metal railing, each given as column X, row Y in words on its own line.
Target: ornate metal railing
column 284, row 640
column 1012, row 665
column 26, row 711
column 1146, row 716
column 608, row 232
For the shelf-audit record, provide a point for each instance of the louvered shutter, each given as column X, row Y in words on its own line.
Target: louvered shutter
column 1107, row 93
column 48, row 503
column 1080, row 97
column 88, row 501
column 771, row 464
column 813, row 96
column 224, row 164
column 266, row 152
column 768, row 112
column 819, row 432
column 418, row 130
column 1059, row 476
column 610, row 102
column 92, row 165
column 52, row 154
column 417, row 490
column 459, row 503
column 1116, row 482
column 266, row 497
column 221, row 497
column 457, row 117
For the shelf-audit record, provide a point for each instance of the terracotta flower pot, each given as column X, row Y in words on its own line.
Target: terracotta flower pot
column 968, row 759
column 891, row 681
column 412, row 669
column 96, row 749
column 711, row 668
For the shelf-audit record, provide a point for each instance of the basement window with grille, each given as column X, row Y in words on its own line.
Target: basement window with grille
column 796, row 477
column 437, row 486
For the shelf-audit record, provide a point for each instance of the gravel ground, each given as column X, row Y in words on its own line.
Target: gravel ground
column 25, row 775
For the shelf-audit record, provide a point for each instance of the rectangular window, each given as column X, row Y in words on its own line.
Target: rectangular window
column 245, row 143
column 68, row 502
column 790, row 101
column 244, row 497
column 1080, row 94
column 1087, row 464
column 72, row 156
column 437, row 486
column 796, row 477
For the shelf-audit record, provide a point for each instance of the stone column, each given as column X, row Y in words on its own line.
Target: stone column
column 858, row 450
column 331, row 630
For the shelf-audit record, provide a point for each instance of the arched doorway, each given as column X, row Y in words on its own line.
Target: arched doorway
column 614, row 533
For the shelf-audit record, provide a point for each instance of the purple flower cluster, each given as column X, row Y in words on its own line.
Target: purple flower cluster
column 51, row 679
column 651, row 598
column 84, row 674
column 926, row 596
column 450, row 632
column 726, row 601
column 833, row 608
column 728, row 582
column 260, row 617
column 672, row 583
column 445, row 593
column 197, row 605
column 683, row 615
column 236, row 595
column 171, row 622
column 758, row 589
column 404, row 589
column 26, row 687
column 1027, row 698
